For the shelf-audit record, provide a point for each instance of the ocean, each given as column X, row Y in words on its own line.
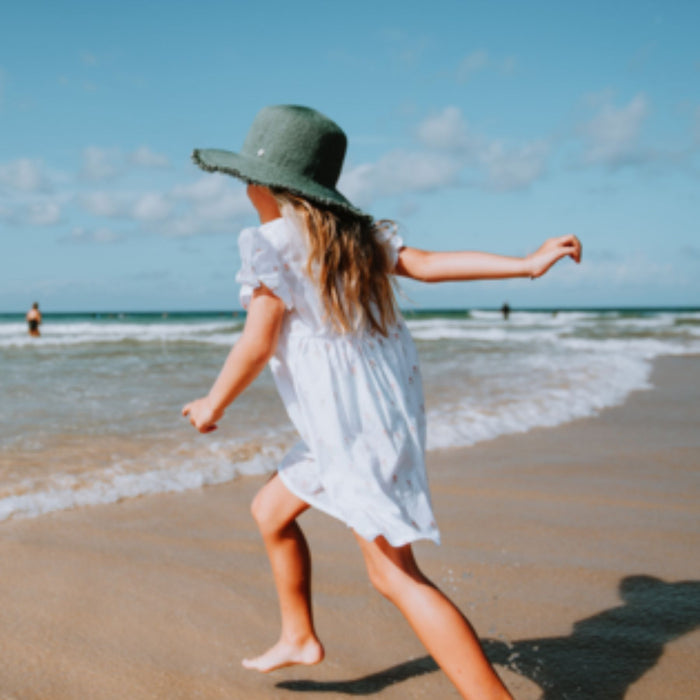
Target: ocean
column 90, row 411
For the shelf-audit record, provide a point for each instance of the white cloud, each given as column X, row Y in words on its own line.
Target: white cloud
column 25, row 206
column 206, row 188
column 209, row 205
column 42, row 213
column 501, row 165
column 109, row 205
column 508, row 65
column 403, row 47
column 186, row 226
column 215, row 203
column 480, row 60
column 612, row 135
column 101, row 163
column 633, row 268
column 24, row 174
column 471, row 64
column 357, row 184
column 152, row 206
column 446, row 131
column 88, row 58
column 515, row 167
column 192, row 224
column 232, row 205
column 98, row 235
column 399, row 172
column 448, row 151
column 147, row 158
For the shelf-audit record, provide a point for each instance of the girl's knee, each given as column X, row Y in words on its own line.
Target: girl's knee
column 263, row 512
column 273, row 510
column 382, row 581
column 393, row 575
column 275, row 507
column 389, row 580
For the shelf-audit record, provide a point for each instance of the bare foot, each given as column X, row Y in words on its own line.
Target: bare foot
column 286, row 654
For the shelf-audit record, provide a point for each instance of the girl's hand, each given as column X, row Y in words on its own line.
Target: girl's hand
column 201, row 414
column 552, row 250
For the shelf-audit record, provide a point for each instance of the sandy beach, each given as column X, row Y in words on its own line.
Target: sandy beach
column 573, row 550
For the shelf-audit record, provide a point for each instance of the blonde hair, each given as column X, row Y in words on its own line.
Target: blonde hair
column 349, row 264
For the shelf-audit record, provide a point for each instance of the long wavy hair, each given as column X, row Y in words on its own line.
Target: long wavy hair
column 348, row 263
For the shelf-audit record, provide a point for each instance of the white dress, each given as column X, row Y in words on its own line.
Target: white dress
column 355, row 399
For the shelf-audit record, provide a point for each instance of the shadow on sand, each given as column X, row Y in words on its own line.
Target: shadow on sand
column 600, row 659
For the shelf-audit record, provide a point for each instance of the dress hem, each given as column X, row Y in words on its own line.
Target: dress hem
column 316, row 503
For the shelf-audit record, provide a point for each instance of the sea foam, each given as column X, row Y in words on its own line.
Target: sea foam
column 125, row 380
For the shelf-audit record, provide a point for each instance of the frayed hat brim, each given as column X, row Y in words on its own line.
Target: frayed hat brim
column 260, row 172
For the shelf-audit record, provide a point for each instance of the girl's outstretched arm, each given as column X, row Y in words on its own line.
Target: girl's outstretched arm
column 245, row 361
column 431, row 266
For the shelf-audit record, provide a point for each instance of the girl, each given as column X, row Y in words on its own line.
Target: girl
column 316, row 282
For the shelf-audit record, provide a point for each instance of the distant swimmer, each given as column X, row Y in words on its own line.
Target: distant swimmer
column 34, row 320
column 505, row 310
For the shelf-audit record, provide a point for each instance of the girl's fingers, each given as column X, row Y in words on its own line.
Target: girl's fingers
column 202, row 427
column 567, row 241
column 554, row 249
column 571, row 245
column 572, row 251
column 575, row 245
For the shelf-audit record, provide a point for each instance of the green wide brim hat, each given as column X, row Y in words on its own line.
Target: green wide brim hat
column 291, row 148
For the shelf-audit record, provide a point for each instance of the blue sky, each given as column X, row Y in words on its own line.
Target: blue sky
column 476, row 125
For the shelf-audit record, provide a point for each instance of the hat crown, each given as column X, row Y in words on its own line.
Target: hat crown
column 298, row 139
column 291, row 148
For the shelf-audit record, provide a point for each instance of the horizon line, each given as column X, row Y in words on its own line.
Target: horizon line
column 433, row 309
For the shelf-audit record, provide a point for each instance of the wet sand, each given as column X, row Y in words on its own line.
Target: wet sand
column 573, row 550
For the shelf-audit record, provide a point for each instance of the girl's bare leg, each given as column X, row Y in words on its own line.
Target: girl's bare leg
column 442, row 628
column 275, row 509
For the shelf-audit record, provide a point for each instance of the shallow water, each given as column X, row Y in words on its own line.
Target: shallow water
column 90, row 411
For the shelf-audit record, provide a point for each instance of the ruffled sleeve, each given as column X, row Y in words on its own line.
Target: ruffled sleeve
column 262, row 264
column 386, row 232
